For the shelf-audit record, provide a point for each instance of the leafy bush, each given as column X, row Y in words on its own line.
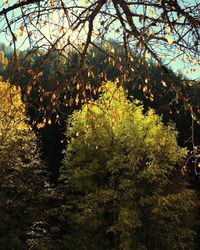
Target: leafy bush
column 121, row 174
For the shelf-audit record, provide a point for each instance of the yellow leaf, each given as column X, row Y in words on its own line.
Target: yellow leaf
column 78, row 86
column 164, row 83
column 21, row 33
column 151, row 98
column 40, row 125
column 168, row 30
column 153, row 13
column 145, row 89
column 170, row 40
column 146, row 56
column 112, row 50
column 40, row 73
column 62, row 29
column 53, row 96
column 77, row 99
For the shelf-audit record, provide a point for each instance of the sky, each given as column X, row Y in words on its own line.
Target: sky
column 178, row 65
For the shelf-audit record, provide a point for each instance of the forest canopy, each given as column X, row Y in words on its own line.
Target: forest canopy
column 72, row 74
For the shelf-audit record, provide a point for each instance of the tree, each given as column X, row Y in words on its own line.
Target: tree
column 121, row 176
column 49, row 107
column 176, row 23
column 160, row 29
column 22, row 174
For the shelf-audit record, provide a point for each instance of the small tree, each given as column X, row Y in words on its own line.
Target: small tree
column 21, row 171
column 121, row 172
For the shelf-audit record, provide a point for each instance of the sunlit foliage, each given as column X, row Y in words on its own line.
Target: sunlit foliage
column 121, row 174
column 21, row 171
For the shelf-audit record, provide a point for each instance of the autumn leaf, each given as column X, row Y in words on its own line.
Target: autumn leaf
column 21, row 28
column 153, row 13
column 49, row 122
column 52, row 2
column 40, row 125
column 145, row 89
column 78, row 86
column 112, row 50
column 170, row 40
column 164, row 83
column 168, row 30
column 77, row 99
column 21, row 33
column 53, row 96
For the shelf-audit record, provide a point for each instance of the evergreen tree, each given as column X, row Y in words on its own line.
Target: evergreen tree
column 121, row 177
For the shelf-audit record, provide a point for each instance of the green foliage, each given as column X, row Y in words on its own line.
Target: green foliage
column 121, row 174
column 21, row 172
